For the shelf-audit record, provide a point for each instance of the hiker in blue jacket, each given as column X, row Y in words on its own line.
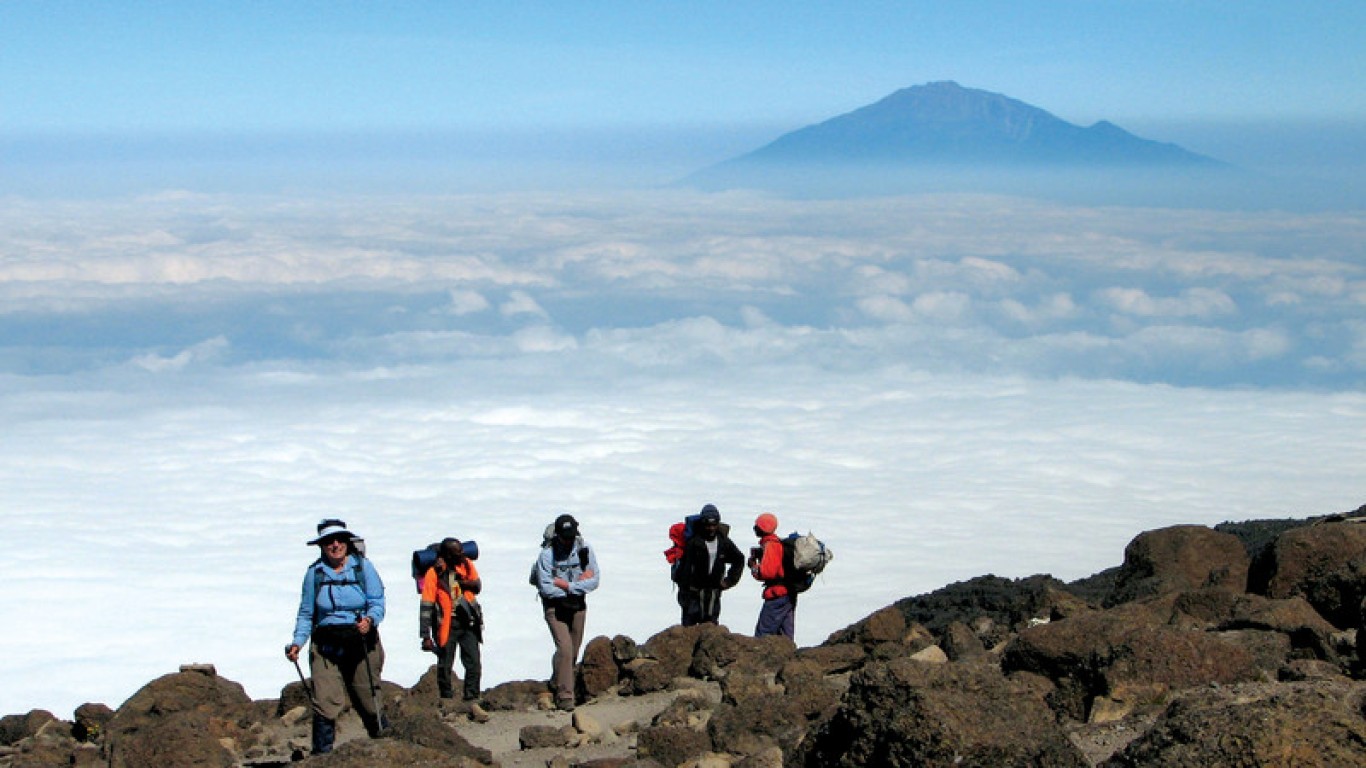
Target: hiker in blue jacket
column 340, row 607
column 565, row 572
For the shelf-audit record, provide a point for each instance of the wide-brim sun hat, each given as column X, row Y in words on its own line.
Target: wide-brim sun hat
column 330, row 529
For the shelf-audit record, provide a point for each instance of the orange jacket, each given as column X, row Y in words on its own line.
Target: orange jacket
column 440, row 596
column 769, row 569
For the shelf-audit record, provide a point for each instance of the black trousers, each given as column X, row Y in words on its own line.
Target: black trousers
column 464, row 641
column 700, row 606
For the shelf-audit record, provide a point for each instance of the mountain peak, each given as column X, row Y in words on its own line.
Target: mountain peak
column 943, row 123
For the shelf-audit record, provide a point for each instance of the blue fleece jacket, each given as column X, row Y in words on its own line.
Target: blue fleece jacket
column 332, row 598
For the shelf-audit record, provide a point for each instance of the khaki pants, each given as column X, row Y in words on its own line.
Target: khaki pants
column 342, row 672
column 566, row 628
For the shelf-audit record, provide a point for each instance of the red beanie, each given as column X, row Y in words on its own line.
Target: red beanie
column 766, row 523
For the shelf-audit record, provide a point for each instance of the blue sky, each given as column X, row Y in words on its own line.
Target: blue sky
column 197, row 66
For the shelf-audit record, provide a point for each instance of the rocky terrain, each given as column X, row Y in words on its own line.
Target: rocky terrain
column 1228, row 646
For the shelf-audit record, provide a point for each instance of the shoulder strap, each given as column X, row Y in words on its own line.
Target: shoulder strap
column 359, row 569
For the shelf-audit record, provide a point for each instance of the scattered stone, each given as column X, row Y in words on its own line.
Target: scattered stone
column 931, row 655
column 541, row 736
column 766, row 758
column 587, row 724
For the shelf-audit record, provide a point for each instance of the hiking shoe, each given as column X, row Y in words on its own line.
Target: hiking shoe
column 478, row 714
column 565, row 705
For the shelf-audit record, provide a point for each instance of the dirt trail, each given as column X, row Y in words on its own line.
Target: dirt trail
column 619, row 716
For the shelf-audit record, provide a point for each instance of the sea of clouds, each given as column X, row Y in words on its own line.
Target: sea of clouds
column 940, row 387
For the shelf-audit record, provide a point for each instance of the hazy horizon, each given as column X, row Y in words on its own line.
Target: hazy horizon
column 1307, row 165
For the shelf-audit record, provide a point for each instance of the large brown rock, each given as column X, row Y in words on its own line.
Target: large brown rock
column 720, row 652
column 663, row 657
column 598, row 673
column 90, row 720
column 1222, row 611
column 1291, row 725
column 806, row 687
column 903, row 713
column 755, row 725
column 183, row 719
column 1123, row 654
column 671, row 745
column 834, row 659
column 189, row 739
column 16, row 727
column 515, row 694
column 426, row 729
column 1325, row 564
column 960, row 643
column 1179, row 559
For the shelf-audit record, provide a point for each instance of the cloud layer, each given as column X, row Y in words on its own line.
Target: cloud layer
column 990, row 285
column 940, row 387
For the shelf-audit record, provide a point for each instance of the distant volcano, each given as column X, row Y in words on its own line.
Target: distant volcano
column 946, row 127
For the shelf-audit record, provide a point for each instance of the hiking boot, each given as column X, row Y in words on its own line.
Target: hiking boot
column 324, row 733
column 477, row 713
column 376, row 727
column 565, row 705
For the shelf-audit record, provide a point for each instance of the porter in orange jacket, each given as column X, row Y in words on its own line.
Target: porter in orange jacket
column 450, row 619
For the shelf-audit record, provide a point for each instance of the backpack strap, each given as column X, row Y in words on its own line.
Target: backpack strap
column 320, row 570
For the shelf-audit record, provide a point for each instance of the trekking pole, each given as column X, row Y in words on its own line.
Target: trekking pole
column 374, row 690
column 308, row 689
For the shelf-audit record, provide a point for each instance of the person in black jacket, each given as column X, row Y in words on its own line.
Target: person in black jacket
column 711, row 563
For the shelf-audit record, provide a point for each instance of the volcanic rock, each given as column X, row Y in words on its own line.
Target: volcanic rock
column 1179, row 559
column 1292, row 724
column 181, row 719
column 1122, row 653
column 1325, row 564
column 903, row 713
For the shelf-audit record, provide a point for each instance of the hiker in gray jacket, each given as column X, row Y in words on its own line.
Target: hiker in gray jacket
column 564, row 573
